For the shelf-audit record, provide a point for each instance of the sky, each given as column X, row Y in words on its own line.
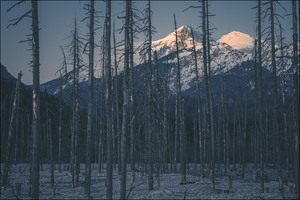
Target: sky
column 57, row 20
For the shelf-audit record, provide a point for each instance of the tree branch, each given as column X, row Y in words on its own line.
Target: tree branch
column 19, row 19
column 16, row 4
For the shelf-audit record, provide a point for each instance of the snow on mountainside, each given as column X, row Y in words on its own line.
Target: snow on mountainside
column 167, row 44
column 224, row 57
column 231, row 51
column 238, row 40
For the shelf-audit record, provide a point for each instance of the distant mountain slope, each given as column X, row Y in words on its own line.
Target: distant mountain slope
column 230, row 55
column 6, row 75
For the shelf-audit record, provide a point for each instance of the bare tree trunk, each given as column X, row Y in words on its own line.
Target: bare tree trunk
column 60, row 125
column 244, row 156
column 22, row 144
column 260, row 98
column 36, row 102
column 183, row 153
column 198, row 122
column 74, row 161
column 125, row 102
column 108, row 99
column 131, row 97
column 10, row 135
column 206, row 62
column 178, row 110
column 118, row 124
column 17, row 128
column 51, row 151
column 283, row 95
column 102, row 115
column 91, row 12
column 165, row 120
column 150, row 116
column 64, row 67
column 296, row 90
column 275, row 91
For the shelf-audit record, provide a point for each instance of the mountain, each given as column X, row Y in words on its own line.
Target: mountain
column 238, row 40
column 167, row 44
column 5, row 75
column 223, row 55
column 232, row 60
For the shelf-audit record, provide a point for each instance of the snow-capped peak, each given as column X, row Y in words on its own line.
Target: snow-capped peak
column 238, row 40
column 185, row 40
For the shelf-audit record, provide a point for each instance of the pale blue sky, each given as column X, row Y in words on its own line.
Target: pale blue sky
column 57, row 19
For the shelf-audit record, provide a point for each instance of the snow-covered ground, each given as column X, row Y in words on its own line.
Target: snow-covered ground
column 170, row 187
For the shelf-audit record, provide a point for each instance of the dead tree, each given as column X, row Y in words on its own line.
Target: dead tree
column 296, row 89
column 10, row 134
column 206, row 70
column 147, row 56
column 178, row 111
column 275, row 87
column 34, row 42
column 259, row 88
column 91, row 12
column 36, row 101
column 198, row 122
column 76, row 46
column 117, row 114
column 125, row 102
column 49, row 129
column 283, row 95
column 108, row 97
column 62, row 73
column 17, row 128
column 133, row 30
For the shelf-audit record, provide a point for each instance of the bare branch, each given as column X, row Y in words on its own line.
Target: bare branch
column 27, row 40
column 19, row 19
column 191, row 7
column 16, row 4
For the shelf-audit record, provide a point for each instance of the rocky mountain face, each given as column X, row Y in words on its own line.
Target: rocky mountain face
column 232, row 62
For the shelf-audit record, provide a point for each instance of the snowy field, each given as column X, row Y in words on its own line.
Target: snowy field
column 169, row 187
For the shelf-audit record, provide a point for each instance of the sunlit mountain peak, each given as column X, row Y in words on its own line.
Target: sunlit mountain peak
column 238, row 40
column 184, row 37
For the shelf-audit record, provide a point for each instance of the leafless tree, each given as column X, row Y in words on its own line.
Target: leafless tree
column 75, row 53
column 296, row 87
column 91, row 13
column 206, row 70
column 11, row 130
column 178, row 110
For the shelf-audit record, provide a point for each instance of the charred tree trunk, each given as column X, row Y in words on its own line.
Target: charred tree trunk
column 178, row 111
column 260, row 98
column 118, row 124
column 275, row 91
column 131, row 97
column 51, row 152
column 108, row 99
column 64, row 68
column 296, row 89
column 11, row 130
column 206, row 63
column 198, row 118
column 36, row 102
column 74, row 161
column 125, row 102
column 90, row 101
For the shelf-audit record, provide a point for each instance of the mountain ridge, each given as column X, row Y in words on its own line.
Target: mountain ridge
column 224, row 58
